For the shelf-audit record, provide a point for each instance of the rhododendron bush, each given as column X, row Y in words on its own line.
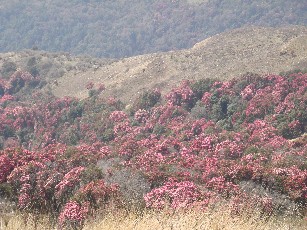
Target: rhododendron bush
column 251, row 129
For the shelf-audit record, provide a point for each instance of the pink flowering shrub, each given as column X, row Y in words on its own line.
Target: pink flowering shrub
column 69, row 181
column 6, row 167
column 251, row 130
column 248, row 92
column 181, row 96
column 46, row 179
column 118, row 116
column 97, row 193
column 177, row 195
column 220, row 185
column 141, row 115
column 206, row 99
column 294, row 181
column 229, row 149
column 73, row 214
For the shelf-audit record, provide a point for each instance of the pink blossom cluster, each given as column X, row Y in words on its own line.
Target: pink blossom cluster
column 6, row 167
column 248, row 92
column 224, row 87
column 229, row 148
column 6, row 97
column 118, row 116
column 73, row 214
column 141, row 115
column 183, row 94
column 203, row 143
column 69, row 180
column 46, row 175
column 280, row 96
column 294, row 180
column 122, row 128
column 177, row 195
column 97, row 192
column 105, row 150
column 222, row 186
column 206, row 99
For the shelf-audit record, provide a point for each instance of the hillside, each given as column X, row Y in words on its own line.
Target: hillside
column 127, row 28
column 216, row 125
column 224, row 56
column 238, row 144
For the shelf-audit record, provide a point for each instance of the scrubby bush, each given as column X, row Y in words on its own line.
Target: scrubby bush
column 70, row 156
column 147, row 100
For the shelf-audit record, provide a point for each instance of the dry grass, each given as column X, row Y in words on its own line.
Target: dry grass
column 194, row 220
column 21, row 222
column 210, row 220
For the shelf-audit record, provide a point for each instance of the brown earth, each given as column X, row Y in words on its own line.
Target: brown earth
column 224, row 56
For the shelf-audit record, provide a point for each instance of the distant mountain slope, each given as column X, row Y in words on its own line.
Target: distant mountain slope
column 228, row 55
column 127, row 28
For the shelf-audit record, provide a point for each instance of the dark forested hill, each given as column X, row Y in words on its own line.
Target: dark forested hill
column 125, row 28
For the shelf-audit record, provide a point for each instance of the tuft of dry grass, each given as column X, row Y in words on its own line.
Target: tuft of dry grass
column 24, row 222
column 208, row 220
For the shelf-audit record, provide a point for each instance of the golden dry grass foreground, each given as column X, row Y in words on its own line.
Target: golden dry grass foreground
column 210, row 220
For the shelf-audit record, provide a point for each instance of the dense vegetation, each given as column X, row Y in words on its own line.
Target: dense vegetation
column 199, row 145
column 126, row 28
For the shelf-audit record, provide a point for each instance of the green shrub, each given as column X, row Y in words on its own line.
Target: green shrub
column 147, row 100
column 1, row 91
column 201, row 86
column 199, row 111
column 107, row 135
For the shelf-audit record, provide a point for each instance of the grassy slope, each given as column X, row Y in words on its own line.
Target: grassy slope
column 228, row 55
